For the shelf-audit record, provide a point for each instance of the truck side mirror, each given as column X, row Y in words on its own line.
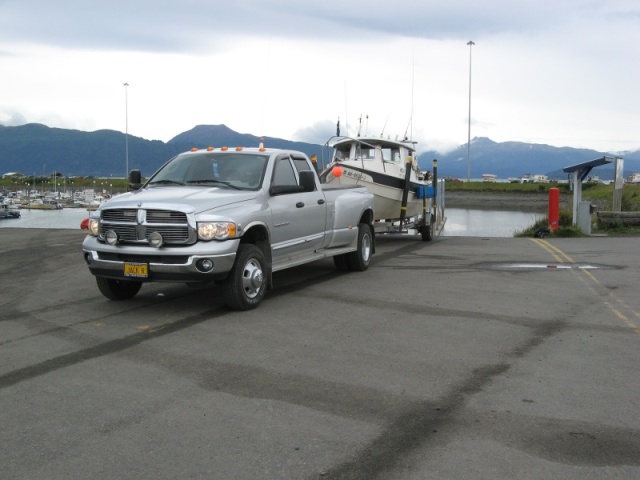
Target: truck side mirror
column 135, row 179
column 308, row 180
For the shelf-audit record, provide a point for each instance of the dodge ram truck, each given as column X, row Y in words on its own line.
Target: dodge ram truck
column 231, row 217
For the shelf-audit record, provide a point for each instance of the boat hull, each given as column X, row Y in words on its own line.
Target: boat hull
column 386, row 189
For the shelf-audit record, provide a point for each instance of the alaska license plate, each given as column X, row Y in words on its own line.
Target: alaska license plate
column 139, row 270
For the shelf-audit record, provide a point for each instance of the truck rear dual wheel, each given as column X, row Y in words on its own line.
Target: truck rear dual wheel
column 359, row 260
column 115, row 289
column 246, row 284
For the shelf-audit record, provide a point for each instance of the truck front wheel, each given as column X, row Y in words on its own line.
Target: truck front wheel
column 359, row 260
column 118, row 289
column 246, row 284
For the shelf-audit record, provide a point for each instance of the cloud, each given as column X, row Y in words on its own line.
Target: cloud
column 199, row 25
column 318, row 133
column 12, row 119
column 560, row 71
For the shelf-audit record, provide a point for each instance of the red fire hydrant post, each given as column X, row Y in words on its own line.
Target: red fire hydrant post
column 554, row 209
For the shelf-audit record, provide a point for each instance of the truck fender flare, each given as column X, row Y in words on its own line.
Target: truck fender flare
column 367, row 217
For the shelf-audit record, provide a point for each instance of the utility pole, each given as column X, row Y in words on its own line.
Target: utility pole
column 471, row 44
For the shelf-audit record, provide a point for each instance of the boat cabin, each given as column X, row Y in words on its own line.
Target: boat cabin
column 366, row 149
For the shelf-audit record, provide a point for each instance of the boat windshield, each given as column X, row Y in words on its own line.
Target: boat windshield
column 364, row 151
column 232, row 170
column 342, row 154
column 378, row 153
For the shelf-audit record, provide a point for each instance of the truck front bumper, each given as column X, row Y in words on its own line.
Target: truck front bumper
column 170, row 264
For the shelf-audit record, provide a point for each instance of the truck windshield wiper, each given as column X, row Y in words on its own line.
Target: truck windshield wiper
column 166, row 182
column 211, row 180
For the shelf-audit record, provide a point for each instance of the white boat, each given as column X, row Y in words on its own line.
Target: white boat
column 489, row 177
column 380, row 165
column 7, row 212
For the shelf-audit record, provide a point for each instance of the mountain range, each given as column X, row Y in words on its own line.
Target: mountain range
column 36, row 149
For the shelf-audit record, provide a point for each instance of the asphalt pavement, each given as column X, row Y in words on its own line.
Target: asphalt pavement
column 460, row 358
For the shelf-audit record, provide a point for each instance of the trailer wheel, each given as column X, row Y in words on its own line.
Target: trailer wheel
column 427, row 231
column 246, row 284
column 359, row 260
column 118, row 289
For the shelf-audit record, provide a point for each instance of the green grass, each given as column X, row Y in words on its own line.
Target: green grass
column 592, row 192
column 565, row 227
column 502, row 187
column 618, row 231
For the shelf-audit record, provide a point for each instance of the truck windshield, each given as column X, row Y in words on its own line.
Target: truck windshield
column 241, row 171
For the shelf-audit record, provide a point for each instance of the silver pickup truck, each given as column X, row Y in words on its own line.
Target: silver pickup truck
column 229, row 216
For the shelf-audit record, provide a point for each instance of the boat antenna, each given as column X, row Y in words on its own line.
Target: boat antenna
column 413, row 76
column 346, row 111
column 359, row 125
column 384, row 126
column 338, row 128
column 366, row 126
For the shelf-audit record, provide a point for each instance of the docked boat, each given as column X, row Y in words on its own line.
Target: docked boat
column 383, row 166
column 7, row 212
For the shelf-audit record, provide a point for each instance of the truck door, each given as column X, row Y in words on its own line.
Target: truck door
column 298, row 218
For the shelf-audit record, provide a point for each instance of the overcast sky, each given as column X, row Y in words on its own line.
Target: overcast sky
column 557, row 72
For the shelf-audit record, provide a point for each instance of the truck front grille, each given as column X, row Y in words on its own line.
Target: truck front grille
column 120, row 215
column 166, row 216
column 135, row 225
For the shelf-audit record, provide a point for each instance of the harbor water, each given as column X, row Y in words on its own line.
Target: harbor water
column 461, row 222
column 464, row 222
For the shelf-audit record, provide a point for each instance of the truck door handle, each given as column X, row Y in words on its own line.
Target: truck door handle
column 299, row 204
column 321, row 201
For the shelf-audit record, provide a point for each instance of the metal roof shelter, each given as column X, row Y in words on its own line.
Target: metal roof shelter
column 579, row 173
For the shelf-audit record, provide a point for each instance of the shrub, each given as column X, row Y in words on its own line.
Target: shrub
column 565, row 227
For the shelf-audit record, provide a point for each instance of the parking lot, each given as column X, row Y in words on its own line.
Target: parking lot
column 460, row 358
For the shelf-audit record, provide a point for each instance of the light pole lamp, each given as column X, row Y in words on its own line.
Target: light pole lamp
column 126, row 130
column 471, row 44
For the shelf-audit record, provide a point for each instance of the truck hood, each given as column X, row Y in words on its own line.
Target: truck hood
column 186, row 199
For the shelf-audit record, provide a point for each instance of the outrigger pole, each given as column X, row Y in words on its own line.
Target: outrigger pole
column 405, row 191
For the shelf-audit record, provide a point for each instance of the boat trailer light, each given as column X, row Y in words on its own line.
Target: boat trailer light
column 156, row 240
column 111, row 237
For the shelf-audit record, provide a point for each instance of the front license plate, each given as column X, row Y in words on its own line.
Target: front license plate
column 140, row 270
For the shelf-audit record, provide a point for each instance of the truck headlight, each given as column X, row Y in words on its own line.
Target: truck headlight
column 216, row 230
column 94, row 226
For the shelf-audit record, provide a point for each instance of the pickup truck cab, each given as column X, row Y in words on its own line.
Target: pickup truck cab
column 228, row 216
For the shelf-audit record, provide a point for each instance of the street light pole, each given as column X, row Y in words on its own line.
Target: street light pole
column 126, row 130
column 470, row 43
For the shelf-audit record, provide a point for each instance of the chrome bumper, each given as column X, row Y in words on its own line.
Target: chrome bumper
column 164, row 264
